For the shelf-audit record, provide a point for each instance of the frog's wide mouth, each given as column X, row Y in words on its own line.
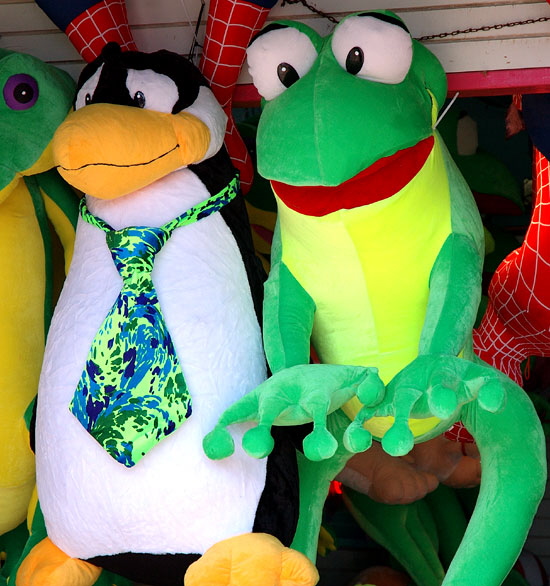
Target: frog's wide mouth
column 381, row 180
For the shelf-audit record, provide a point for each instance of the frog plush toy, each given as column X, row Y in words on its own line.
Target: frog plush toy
column 376, row 262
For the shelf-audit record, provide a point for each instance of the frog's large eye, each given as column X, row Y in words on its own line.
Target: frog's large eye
column 373, row 46
column 20, row 92
column 278, row 57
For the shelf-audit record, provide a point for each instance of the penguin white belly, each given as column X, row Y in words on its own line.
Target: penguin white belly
column 174, row 500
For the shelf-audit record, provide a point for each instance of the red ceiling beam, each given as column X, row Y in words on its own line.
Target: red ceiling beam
column 468, row 84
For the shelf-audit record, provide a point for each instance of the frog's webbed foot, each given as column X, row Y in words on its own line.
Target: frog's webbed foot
column 294, row 396
column 246, row 559
column 435, row 386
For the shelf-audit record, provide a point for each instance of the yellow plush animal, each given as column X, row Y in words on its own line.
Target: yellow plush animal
column 35, row 97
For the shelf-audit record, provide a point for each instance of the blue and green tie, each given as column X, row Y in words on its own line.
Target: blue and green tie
column 132, row 392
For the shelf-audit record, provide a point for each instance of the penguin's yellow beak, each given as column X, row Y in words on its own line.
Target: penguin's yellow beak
column 108, row 150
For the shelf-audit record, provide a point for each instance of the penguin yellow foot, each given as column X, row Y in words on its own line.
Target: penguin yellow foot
column 47, row 565
column 251, row 559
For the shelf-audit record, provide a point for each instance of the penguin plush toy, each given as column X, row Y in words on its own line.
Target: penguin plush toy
column 155, row 334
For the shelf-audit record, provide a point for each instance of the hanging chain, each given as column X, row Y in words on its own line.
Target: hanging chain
column 438, row 35
column 311, row 9
column 192, row 55
column 484, row 28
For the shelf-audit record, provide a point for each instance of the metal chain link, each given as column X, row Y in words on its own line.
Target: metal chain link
column 311, row 9
column 438, row 35
column 484, row 28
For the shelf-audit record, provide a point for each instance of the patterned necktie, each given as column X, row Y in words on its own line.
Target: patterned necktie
column 132, row 392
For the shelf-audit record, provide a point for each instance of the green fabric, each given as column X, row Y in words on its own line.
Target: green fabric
column 512, row 449
column 11, row 547
column 42, row 219
column 61, row 193
column 326, row 119
column 449, row 321
column 30, row 129
column 286, row 338
column 293, row 396
column 408, row 532
column 132, row 392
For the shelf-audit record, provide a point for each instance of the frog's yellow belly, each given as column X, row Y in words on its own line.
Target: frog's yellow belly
column 368, row 270
column 21, row 348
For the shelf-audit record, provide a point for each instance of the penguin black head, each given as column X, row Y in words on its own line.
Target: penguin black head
column 138, row 117
column 162, row 80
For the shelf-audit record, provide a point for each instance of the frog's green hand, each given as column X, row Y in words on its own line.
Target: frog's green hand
column 433, row 386
column 294, row 396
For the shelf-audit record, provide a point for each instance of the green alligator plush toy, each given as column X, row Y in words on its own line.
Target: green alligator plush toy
column 35, row 99
column 376, row 263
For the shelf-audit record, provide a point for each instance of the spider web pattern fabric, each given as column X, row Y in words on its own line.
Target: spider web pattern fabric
column 104, row 22
column 458, row 433
column 517, row 322
column 230, row 26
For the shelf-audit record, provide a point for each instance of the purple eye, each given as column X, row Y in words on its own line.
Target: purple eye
column 20, row 91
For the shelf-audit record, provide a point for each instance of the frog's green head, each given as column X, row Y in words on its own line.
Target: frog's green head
column 35, row 98
column 334, row 106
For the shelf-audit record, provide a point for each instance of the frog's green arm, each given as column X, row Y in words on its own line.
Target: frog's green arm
column 454, row 297
column 288, row 314
column 455, row 280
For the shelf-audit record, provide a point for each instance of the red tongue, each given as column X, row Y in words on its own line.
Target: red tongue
column 381, row 180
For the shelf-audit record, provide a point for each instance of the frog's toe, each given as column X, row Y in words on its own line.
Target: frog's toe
column 357, row 438
column 371, row 391
column 47, row 565
column 492, row 396
column 319, row 445
column 398, row 440
column 258, row 441
column 218, row 444
column 251, row 559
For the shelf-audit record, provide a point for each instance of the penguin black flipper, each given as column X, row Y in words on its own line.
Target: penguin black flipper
column 278, row 509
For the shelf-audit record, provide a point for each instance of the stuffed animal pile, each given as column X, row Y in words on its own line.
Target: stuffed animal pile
column 148, row 462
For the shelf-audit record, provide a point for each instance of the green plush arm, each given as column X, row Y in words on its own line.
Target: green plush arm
column 455, row 280
column 455, row 292
column 288, row 315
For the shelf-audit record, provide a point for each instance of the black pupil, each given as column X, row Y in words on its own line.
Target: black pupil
column 287, row 74
column 23, row 93
column 139, row 99
column 88, row 99
column 355, row 60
